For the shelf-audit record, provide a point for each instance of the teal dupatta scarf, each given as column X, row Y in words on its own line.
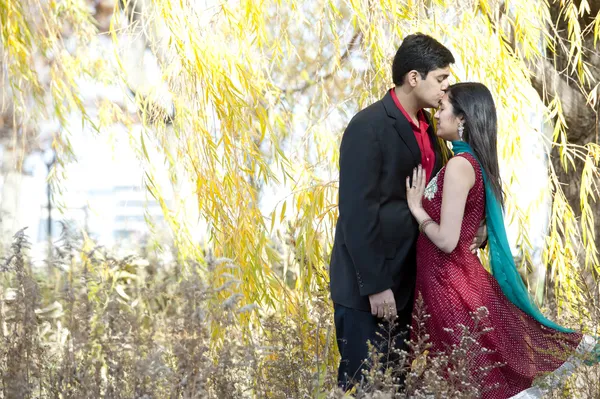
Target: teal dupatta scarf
column 502, row 263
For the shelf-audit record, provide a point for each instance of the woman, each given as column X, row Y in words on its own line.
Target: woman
column 452, row 280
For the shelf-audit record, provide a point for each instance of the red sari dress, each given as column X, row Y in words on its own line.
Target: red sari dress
column 455, row 285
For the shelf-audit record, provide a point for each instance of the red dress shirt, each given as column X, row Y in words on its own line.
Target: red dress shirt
column 423, row 139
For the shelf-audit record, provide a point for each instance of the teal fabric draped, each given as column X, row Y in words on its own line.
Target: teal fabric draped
column 502, row 264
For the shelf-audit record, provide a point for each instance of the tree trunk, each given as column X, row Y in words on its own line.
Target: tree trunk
column 581, row 117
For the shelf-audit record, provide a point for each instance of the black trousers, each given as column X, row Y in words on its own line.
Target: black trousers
column 354, row 328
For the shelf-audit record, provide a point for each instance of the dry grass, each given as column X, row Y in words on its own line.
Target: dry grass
column 93, row 326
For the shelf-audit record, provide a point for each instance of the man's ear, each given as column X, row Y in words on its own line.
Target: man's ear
column 412, row 77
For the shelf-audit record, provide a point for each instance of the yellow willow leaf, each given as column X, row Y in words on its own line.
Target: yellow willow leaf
column 282, row 214
column 584, row 7
column 596, row 28
column 144, row 151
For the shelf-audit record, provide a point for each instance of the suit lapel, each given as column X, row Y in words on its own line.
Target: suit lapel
column 402, row 127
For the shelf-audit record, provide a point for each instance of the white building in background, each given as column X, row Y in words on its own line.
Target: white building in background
column 110, row 216
column 102, row 195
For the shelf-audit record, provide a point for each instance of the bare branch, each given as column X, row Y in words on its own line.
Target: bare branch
column 354, row 42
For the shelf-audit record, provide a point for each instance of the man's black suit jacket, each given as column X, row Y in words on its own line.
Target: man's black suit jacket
column 375, row 238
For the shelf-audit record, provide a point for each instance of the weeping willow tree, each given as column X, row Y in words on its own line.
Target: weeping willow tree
column 254, row 96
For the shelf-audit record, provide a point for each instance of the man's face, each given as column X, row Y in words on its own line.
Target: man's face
column 430, row 90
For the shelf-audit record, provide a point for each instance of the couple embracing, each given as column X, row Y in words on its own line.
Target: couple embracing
column 411, row 218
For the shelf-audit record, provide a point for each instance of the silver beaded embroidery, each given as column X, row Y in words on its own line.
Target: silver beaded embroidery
column 431, row 189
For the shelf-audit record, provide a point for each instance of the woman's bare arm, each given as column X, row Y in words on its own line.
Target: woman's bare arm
column 458, row 180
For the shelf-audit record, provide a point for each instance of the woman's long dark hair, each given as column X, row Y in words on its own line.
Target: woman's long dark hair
column 474, row 102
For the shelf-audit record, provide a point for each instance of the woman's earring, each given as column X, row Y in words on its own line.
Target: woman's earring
column 461, row 129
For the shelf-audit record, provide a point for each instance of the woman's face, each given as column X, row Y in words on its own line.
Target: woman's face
column 447, row 122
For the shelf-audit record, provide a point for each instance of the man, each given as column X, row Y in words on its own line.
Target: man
column 373, row 263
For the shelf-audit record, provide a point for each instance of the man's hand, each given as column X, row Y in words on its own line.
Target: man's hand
column 383, row 304
column 480, row 237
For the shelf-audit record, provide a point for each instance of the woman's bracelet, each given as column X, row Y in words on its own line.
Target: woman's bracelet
column 424, row 224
